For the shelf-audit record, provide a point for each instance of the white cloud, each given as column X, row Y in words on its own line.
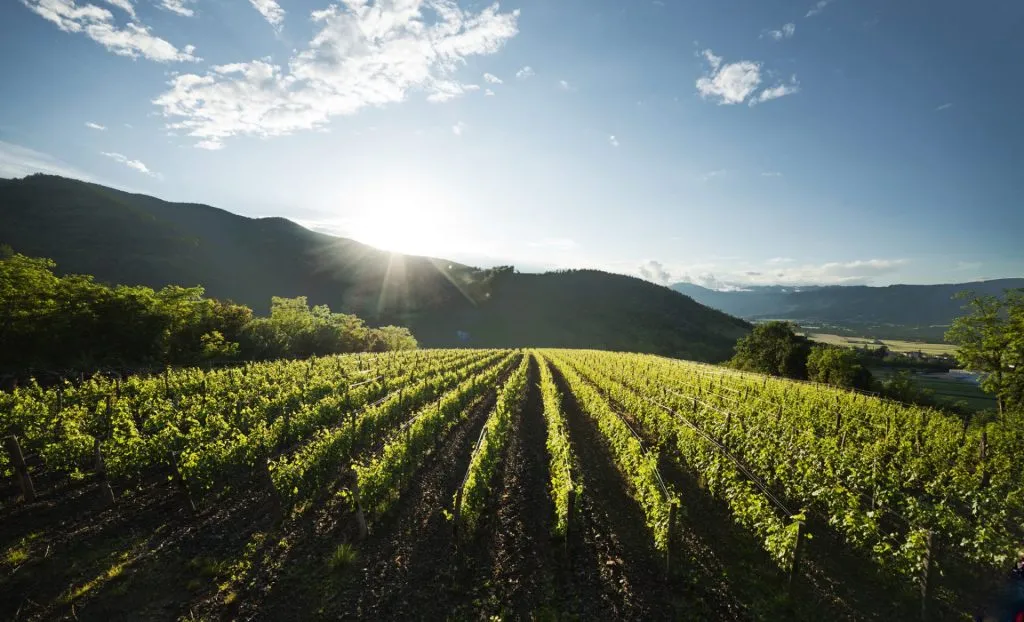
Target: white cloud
column 777, row 91
column 818, row 7
column 613, row 141
column 735, row 83
column 211, row 145
column 565, row 86
column 526, row 72
column 655, row 272
column 133, row 164
column 362, row 55
column 95, row 126
column 785, row 32
column 713, row 174
column 459, row 128
column 786, row 271
column 488, row 92
column 179, row 7
column 271, row 11
column 97, row 23
column 124, row 5
column 730, row 83
column 943, row 107
column 18, row 161
column 493, row 79
column 771, row 174
column 780, row 260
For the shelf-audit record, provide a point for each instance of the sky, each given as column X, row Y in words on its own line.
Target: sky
column 723, row 142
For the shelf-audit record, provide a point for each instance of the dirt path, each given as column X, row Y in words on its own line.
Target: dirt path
column 616, row 572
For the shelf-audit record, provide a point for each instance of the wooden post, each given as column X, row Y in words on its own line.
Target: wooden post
column 670, row 539
column 180, row 481
column 106, row 492
column 794, row 570
column 926, row 571
column 360, row 517
column 457, row 512
column 570, row 506
column 28, row 490
column 839, row 421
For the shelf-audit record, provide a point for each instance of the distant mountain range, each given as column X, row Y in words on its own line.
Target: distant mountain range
column 127, row 238
column 896, row 311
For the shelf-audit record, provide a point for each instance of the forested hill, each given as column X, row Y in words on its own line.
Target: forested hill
column 895, row 305
column 125, row 238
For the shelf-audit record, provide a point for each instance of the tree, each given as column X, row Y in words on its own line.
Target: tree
column 839, row 367
column 773, row 348
column 990, row 340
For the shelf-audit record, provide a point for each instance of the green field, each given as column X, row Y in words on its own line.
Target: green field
column 894, row 345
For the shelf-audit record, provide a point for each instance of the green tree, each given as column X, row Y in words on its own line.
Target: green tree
column 773, row 348
column 839, row 367
column 990, row 339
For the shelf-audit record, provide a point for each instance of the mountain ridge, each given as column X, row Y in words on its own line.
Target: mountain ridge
column 135, row 239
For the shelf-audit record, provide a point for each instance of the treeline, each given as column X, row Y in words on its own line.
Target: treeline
column 59, row 323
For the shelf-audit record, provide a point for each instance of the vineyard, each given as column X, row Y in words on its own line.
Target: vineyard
column 466, row 484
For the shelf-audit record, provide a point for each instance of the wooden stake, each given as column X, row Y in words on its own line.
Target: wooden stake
column 671, row 536
column 794, row 570
column 360, row 517
column 28, row 490
column 457, row 512
column 926, row 571
column 106, row 492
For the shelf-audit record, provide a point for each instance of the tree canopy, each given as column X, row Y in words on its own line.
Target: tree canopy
column 50, row 322
column 991, row 340
column 773, row 348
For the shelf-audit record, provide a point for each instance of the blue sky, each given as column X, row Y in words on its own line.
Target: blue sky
column 731, row 141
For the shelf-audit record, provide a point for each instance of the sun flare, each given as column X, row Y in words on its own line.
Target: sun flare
column 406, row 217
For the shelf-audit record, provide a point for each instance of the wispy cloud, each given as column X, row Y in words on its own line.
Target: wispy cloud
column 95, row 126
column 613, row 141
column 18, row 161
column 786, row 271
column 777, row 91
column 210, row 145
column 133, row 164
column 179, row 7
column 526, row 72
column 735, row 83
column 564, row 85
column 944, row 107
column 785, row 32
column 361, row 56
column 818, row 7
column 97, row 23
column 493, row 79
column 489, row 92
column 124, row 5
column 271, row 11
column 459, row 128
column 771, row 174
column 713, row 174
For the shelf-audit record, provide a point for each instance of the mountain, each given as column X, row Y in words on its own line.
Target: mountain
column 896, row 311
column 120, row 237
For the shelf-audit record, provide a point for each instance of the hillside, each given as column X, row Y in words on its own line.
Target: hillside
column 909, row 311
column 127, row 238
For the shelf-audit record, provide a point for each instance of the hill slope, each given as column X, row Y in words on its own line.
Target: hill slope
column 915, row 308
column 136, row 239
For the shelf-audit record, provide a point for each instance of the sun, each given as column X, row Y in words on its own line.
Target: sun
column 409, row 216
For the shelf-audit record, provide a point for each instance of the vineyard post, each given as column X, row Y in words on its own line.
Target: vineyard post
column 457, row 510
column 670, row 537
column 926, row 571
column 106, row 492
column 180, row 481
column 839, row 421
column 28, row 490
column 360, row 517
column 794, row 570
column 570, row 506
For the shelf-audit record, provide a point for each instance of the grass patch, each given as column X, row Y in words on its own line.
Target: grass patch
column 343, row 558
